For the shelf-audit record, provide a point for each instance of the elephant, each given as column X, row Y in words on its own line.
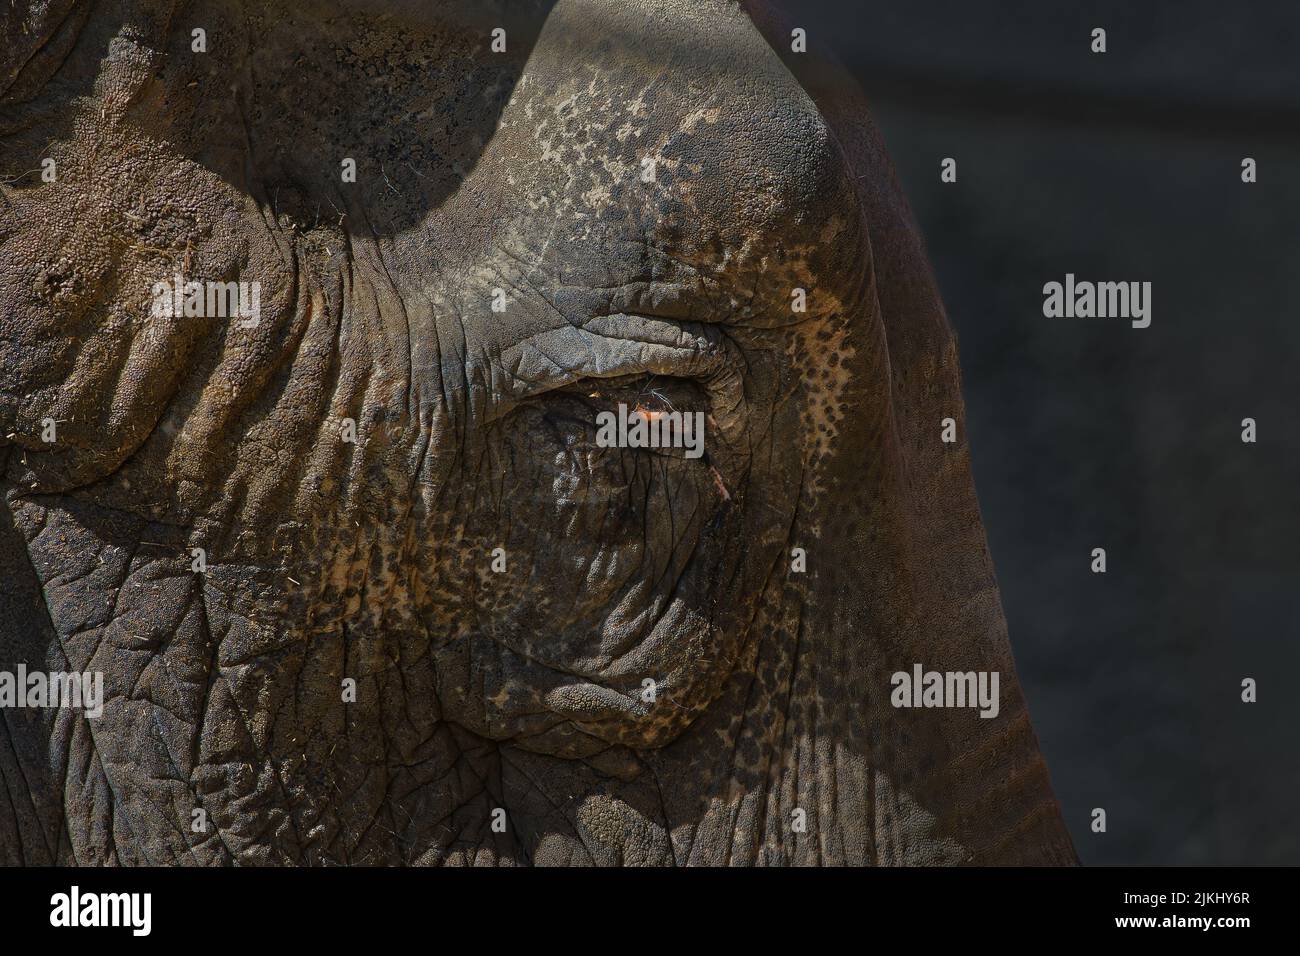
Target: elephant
column 361, row 585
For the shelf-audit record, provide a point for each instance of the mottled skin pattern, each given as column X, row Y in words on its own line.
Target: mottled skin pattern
column 326, row 560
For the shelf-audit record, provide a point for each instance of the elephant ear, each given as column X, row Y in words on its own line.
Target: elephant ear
column 912, row 581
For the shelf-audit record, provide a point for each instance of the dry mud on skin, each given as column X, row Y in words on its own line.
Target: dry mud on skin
column 362, row 584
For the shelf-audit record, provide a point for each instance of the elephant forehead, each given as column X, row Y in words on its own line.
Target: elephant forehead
column 658, row 140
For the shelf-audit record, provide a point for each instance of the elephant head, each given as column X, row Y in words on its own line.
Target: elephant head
column 363, row 583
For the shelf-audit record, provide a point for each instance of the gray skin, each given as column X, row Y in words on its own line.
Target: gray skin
column 329, row 560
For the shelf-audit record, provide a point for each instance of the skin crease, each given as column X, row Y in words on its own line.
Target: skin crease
column 770, row 738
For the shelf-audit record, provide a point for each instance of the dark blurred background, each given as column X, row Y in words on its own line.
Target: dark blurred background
column 1088, row 433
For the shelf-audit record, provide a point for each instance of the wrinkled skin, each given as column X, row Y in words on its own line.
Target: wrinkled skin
column 372, row 561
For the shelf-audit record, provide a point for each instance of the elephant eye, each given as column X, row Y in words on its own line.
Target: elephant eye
column 649, row 392
column 646, row 413
column 630, row 386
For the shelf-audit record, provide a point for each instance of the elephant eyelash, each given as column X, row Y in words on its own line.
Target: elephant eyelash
column 650, row 390
column 667, row 390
